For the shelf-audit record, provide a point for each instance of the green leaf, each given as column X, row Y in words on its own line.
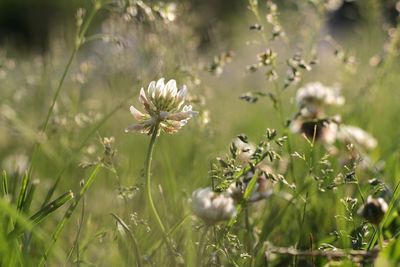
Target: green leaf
column 5, row 183
column 29, row 197
column 23, row 192
column 52, row 206
column 44, row 212
column 68, row 214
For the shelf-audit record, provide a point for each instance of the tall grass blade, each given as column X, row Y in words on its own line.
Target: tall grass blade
column 68, row 214
column 128, row 231
column 44, row 212
column 23, row 192
column 4, row 183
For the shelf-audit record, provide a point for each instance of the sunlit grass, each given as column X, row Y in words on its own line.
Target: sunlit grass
column 76, row 189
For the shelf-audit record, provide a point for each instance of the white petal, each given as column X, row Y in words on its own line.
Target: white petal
column 159, row 91
column 179, row 116
column 187, row 108
column 160, row 82
column 170, row 88
column 182, row 93
column 137, row 114
column 139, row 128
column 185, row 114
column 151, row 88
column 142, row 97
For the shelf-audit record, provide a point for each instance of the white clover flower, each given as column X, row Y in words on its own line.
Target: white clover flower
column 212, row 207
column 313, row 95
column 162, row 103
column 357, row 136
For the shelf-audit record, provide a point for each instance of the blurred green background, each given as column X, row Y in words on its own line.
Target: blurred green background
column 36, row 39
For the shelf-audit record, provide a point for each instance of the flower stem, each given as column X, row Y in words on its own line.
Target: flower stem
column 147, row 165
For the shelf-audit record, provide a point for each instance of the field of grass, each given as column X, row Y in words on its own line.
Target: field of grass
column 274, row 90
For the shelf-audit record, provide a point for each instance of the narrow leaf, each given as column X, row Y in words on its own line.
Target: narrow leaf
column 23, row 192
column 44, row 212
column 5, row 183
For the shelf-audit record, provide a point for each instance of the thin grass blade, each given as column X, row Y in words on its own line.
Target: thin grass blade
column 45, row 212
column 4, row 183
column 131, row 236
column 23, row 192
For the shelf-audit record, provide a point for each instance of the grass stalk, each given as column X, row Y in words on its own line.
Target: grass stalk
column 68, row 214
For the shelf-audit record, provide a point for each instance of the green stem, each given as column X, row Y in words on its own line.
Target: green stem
column 68, row 214
column 58, row 90
column 78, row 43
column 249, row 235
column 360, row 192
column 202, row 246
column 242, row 204
column 147, row 165
column 75, row 152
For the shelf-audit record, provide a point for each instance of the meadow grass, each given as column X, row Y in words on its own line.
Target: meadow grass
column 77, row 190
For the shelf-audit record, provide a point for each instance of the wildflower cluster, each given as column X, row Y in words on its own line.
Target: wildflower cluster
column 246, row 174
column 312, row 121
column 318, row 191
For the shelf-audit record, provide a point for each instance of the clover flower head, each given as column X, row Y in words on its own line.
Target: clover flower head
column 373, row 210
column 314, row 95
column 212, row 207
column 163, row 105
column 353, row 134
